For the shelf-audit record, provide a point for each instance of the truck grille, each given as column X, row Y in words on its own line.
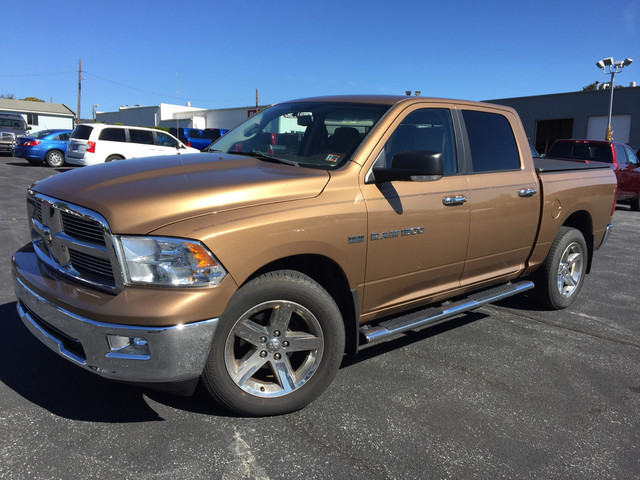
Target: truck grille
column 7, row 137
column 74, row 241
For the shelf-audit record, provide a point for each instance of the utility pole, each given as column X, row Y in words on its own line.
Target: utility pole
column 79, row 87
column 256, row 101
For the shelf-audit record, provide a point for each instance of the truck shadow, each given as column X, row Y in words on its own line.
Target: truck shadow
column 42, row 377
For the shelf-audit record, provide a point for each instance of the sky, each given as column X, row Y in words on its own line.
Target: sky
column 216, row 54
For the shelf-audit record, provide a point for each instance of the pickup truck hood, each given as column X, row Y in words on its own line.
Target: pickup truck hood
column 140, row 195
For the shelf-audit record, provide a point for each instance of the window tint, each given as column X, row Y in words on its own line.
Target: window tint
column 493, row 146
column 113, row 135
column 165, row 140
column 82, row 132
column 429, row 129
column 211, row 133
column 631, row 157
column 141, row 136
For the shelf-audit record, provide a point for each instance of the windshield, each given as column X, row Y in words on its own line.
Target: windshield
column 311, row 134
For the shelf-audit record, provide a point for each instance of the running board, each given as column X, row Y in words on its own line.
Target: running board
column 434, row 315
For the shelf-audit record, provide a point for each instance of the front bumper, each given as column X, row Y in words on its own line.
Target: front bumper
column 161, row 356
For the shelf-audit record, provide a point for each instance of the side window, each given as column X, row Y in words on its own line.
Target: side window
column 141, row 136
column 165, row 140
column 632, row 159
column 621, row 155
column 493, row 146
column 113, row 135
column 428, row 129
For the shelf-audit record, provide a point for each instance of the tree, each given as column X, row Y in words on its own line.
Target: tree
column 7, row 95
column 591, row 87
column 32, row 99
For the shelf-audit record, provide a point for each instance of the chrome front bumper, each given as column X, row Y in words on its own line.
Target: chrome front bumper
column 147, row 355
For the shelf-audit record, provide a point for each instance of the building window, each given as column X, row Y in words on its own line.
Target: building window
column 32, row 118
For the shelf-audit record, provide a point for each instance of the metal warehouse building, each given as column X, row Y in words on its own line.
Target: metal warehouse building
column 583, row 115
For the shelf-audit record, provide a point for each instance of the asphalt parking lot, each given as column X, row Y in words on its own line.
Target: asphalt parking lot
column 507, row 391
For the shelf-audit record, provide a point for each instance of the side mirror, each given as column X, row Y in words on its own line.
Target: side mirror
column 411, row 166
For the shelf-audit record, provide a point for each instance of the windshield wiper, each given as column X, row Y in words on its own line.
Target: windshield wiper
column 270, row 158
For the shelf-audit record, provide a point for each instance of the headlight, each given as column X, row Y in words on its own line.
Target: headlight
column 169, row 262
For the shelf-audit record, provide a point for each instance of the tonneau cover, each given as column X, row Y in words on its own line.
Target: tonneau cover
column 545, row 164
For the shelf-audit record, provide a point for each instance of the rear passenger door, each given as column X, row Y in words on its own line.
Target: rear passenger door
column 504, row 200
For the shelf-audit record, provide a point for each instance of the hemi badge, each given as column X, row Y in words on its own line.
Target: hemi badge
column 355, row 239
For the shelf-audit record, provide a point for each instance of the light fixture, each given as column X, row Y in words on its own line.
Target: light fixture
column 609, row 67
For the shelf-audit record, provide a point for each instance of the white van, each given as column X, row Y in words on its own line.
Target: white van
column 92, row 143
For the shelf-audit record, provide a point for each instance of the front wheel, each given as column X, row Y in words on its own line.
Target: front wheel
column 55, row 158
column 562, row 274
column 278, row 346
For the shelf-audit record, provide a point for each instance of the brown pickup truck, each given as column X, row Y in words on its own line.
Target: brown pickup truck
column 316, row 226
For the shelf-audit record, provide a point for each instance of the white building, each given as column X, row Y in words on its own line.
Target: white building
column 168, row 115
column 40, row 115
column 163, row 115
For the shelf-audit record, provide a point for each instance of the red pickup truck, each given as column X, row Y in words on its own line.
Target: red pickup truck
column 622, row 159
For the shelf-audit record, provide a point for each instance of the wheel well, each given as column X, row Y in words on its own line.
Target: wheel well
column 582, row 221
column 332, row 278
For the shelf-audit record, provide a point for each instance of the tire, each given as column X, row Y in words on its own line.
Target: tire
column 54, row 158
column 279, row 344
column 635, row 204
column 113, row 158
column 561, row 276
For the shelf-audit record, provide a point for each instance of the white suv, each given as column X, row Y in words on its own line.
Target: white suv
column 92, row 143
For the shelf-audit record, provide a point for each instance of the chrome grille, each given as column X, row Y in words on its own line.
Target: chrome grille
column 82, row 228
column 74, row 241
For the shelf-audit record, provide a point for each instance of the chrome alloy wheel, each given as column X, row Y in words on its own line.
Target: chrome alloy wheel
column 570, row 269
column 274, row 349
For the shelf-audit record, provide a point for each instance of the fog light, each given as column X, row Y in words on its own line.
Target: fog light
column 128, row 347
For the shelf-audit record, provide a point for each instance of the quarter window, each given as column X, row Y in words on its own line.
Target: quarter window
column 113, row 135
column 493, row 146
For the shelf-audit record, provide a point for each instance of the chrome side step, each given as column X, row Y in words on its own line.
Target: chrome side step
column 434, row 315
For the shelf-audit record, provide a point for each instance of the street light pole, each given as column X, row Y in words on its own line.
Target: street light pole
column 609, row 67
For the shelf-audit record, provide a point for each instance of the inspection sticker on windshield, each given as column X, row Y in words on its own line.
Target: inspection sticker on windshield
column 332, row 158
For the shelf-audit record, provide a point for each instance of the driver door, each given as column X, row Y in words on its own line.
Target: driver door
column 418, row 230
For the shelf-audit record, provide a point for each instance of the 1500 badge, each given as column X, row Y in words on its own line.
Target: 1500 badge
column 402, row 232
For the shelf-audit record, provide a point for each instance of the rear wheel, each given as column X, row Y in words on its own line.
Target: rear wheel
column 55, row 158
column 635, row 204
column 113, row 158
column 562, row 274
column 278, row 346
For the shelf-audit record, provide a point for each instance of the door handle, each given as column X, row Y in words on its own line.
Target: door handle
column 453, row 201
column 527, row 192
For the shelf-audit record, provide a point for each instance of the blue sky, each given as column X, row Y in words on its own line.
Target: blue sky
column 215, row 54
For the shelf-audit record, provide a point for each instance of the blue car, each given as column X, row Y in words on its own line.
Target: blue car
column 45, row 146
